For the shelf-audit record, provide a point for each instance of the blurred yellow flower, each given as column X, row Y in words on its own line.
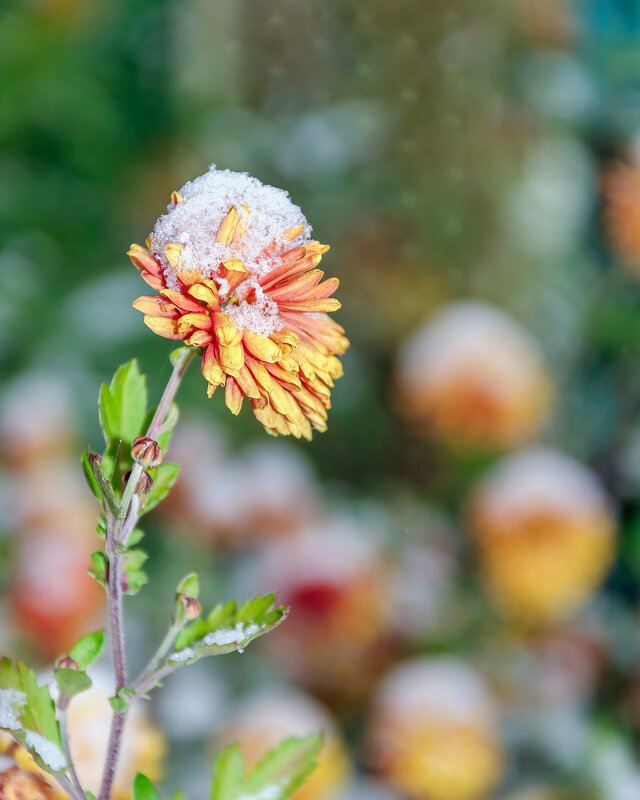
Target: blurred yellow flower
column 235, row 268
column 545, row 533
column 433, row 732
column 473, row 376
column 268, row 718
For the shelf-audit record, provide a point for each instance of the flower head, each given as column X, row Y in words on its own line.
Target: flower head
column 235, row 268
column 433, row 731
column 473, row 375
column 546, row 534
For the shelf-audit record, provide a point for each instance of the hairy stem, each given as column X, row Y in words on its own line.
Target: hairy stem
column 64, row 735
column 118, row 532
column 150, row 670
column 70, row 788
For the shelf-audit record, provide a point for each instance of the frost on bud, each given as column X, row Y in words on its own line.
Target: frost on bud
column 66, row 662
column 145, row 451
column 144, row 484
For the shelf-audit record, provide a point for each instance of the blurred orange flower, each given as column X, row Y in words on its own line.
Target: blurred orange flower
column 433, row 732
column 621, row 195
column 236, row 271
column 546, row 534
column 473, row 376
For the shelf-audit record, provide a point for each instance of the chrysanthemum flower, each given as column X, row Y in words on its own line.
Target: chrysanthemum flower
column 474, row 376
column 433, row 733
column 236, row 271
column 339, row 586
column 268, row 717
column 546, row 534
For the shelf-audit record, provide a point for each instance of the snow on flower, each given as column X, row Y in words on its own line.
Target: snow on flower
column 236, row 271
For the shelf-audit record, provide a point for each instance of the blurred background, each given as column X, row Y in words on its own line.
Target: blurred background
column 462, row 547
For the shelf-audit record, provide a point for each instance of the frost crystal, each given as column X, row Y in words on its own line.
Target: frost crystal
column 48, row 751
column 225, row 636
column 183, row 655
column 11, row 702
column 265, row 211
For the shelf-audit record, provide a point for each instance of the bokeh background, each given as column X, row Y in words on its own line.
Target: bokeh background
column 462, row 547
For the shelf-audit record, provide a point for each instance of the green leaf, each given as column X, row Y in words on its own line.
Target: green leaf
column 72, row 681
column 189, row 585
column 284, row 769
column 279, row 774
column 134, row 577
column 87, row 649
column 228, row 771
column 123, row 404
column 164, row 477
column 28, row 713
column 92, row 464
column 100, row 564
column 227, row 628
column 143, row 788
column 120, row 700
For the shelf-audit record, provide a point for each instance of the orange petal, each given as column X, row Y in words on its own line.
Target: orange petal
column 143, row 260
column 173, row 252
column 200, row 321
column 228, row 227
column 184, row 303
column 317, row 306
column 155, row 306
column 226, row 332
column 199, row 338
column 176, row 198
column 259, row 372
column 232, row 359
column 205, row 294
column 233, row 397
column 211, row 368
column 248, row 384
column 263, row 348
column 168, row 328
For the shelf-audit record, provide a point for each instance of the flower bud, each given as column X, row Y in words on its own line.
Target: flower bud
column 66, row 662
column 191, row 606
column 144, row 484
column 145, row 451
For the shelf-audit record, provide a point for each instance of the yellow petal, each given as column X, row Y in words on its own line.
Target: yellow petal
column 205, row 294
column 176, row 198
column 232, row 359
column 228, row 227
column 233, row 397
column 263, row 348
column 163, row 327
column 173, row 252
column 226, row 332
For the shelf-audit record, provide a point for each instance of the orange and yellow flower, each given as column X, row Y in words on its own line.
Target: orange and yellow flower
column 260, row 317
column 621, row 200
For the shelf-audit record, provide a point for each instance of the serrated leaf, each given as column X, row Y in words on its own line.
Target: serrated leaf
column 227, row 628
column 28, row 713
column 143, row 788
column 72, row 681
column 87, row 649
column 134, row 577
column 164, row 477
column 228, row 771
column 279, row 774
column 284, row 769
column 123, row 404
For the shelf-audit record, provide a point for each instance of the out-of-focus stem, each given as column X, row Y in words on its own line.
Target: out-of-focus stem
column 118, row 531
column 64, row 735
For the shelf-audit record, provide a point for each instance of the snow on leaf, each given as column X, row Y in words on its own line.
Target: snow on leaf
column 227, row 628
column 28, row 713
